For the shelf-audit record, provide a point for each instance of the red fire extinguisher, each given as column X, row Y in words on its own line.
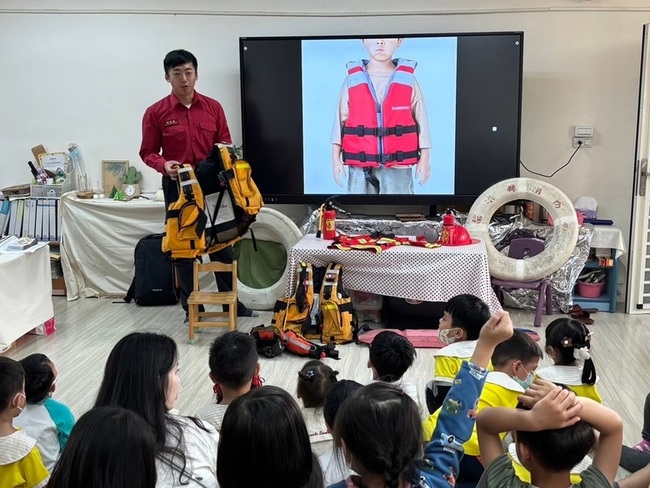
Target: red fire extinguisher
column 328, row 221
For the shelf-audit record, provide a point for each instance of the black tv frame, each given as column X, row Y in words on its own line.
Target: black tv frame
column 392, row 199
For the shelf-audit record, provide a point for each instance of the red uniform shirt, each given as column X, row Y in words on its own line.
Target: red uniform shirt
column 184, row 134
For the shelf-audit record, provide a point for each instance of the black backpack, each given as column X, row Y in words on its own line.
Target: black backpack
column 153, row 283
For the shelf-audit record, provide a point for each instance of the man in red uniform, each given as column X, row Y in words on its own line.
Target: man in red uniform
column 185, row 125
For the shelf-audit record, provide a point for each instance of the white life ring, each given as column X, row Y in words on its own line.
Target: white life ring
column 557, row 251
column 274, row 226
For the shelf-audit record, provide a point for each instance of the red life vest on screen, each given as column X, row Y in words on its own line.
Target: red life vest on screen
column 383, row 134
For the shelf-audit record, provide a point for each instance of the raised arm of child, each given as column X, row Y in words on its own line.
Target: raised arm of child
column 610, row 426
column 456, row 420
column 607, row 422
column 555, row 410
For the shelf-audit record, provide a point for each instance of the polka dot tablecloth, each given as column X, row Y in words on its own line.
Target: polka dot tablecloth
column 417, row 273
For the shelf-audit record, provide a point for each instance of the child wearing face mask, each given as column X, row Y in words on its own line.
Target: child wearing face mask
column 459, row 327
column 46, row 420
column 568, row 344
column 514, row 361
column 20, row 461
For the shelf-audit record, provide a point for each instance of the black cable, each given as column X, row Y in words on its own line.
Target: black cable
column 560, row 168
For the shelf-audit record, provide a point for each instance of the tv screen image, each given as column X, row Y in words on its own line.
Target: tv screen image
column 456, row 98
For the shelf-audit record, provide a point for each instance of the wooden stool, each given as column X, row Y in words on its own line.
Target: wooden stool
column 198, row 297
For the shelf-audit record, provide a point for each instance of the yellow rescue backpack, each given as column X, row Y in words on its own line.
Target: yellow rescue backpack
column 295, row 312
column 232, row 199
column 217, row 203
column 327, row 317
column 185, row 218
column 337, row 314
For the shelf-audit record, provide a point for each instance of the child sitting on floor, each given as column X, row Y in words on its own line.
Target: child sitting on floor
column 515, row 361
column 568, row 344
column 379, row 433
column 551, row 437
column 43, row 418
column 333, row 471
column 314, row 382
column 20, row 462
column 459, row 328
column 390, row 355
column 265, row 426
column 234, row 370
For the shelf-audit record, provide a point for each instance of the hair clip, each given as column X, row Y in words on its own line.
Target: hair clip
column 582, row 353
column 310, row 375
column 566, row 342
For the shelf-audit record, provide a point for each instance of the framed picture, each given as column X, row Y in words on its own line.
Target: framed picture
column 112, row 172
column 55, row 162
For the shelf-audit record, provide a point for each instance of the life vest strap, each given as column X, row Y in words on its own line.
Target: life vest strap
column 396, row 157
column 362, row 130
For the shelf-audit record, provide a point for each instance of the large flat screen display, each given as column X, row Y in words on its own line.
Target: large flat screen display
column 385, row 119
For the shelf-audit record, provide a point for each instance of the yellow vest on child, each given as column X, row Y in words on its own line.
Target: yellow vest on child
column 20, row 462
column 449, row 358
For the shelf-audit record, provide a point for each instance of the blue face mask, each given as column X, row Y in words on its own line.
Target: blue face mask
column 525, row 384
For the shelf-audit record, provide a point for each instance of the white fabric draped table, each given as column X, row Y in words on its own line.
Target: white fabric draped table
column 608, row 237
column 98, row 240
column 26, row 297
column 417, row 273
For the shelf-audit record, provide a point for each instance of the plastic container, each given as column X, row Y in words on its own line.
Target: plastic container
column 363, row 300
column 374, row 316
column 590, row 290
column 53, row 191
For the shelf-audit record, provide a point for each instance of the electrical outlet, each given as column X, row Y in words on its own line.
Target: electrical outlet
column 586, row 141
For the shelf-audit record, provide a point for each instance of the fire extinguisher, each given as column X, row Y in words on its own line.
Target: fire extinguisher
column 327, row 221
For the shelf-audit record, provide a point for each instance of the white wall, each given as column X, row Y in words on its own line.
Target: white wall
column 86, row 73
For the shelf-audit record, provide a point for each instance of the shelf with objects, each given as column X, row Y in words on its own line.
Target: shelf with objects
column 598, row 281
column 602, row 266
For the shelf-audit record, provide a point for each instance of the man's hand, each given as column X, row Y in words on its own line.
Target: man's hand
column 557, row 410
column 171, row 168
column 535, row 392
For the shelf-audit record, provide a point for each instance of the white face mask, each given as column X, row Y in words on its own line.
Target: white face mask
column 443, row 335
column 525, row 384
column 15, row 401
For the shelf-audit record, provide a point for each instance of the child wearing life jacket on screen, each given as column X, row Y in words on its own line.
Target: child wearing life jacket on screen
column 381, row 130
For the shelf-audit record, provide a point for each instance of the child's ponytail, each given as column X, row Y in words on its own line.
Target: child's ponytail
column 584, row 353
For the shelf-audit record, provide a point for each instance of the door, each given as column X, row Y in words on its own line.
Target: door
column 638, row 284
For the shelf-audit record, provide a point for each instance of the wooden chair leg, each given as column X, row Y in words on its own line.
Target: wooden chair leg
column 232, row 319
column 193, row 312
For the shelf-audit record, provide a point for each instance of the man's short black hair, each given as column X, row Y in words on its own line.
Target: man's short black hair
column 233, row 359
column 391, row 354
column 335, row 398
column 179, row 57
column 520, row 347
column 38, row 377
column 469, row 313
column 12, row 377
